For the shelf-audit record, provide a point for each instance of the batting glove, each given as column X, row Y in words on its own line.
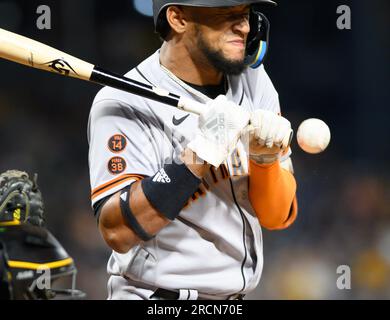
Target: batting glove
column 220, row 127
column 270, row 136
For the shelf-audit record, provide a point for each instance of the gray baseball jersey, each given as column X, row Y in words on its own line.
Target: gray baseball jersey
column 215, row 245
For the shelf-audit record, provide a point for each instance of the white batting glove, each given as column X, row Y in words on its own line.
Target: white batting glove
column 220, row 127
column 269, row 134
column 270, row 129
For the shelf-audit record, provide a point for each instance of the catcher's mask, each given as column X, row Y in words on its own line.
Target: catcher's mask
column 258, row 38
column 34, row 265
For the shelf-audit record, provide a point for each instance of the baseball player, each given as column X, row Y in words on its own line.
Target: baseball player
column 181, row 197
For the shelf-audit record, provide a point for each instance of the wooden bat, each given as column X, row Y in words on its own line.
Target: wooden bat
column 34, row 54
column 23, row 50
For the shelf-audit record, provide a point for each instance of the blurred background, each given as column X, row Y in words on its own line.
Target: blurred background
column 340, row 76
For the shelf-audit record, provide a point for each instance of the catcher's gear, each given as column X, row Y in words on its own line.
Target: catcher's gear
column 31, row 261
column 258, row 38
column 20, row 199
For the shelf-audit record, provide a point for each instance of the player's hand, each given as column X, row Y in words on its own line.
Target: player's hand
column 269, row 129
column 267, row 133
column 220, row 127
column 262, row 154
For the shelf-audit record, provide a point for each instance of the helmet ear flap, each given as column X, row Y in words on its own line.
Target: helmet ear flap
column 258, row 39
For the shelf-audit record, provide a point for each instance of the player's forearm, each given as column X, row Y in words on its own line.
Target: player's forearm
column 272, row 192
column 148, row 217
column 113, row 226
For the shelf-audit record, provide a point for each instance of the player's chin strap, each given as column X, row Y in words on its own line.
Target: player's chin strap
column 258, row 39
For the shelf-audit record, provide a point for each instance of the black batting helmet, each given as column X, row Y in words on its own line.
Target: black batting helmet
column 258, row 38
column 31, row 259
column 32, row 262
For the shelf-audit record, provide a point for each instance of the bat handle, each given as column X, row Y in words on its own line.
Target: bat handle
column 191, row 106
column 197, row 107
column 287, row 140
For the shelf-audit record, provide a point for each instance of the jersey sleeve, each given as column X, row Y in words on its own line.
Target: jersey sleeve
column 262, row 91
column 124, row 147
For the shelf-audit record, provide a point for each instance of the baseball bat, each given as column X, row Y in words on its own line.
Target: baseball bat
column 23, row 50
column 26, row 51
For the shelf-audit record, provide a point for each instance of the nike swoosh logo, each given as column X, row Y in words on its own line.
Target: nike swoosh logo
column 178, row 122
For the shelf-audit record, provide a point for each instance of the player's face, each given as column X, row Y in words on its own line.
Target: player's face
column 221, row 35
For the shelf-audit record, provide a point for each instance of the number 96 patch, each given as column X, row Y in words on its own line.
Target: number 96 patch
column 116, row 165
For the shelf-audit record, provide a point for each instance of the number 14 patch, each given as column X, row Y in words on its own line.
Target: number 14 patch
column 117, row 143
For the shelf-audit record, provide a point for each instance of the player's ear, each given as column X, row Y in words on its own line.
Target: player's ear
column 176, row 19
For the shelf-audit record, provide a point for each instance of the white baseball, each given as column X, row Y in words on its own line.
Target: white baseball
column 313, row 135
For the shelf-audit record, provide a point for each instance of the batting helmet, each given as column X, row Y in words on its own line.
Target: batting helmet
column 258, row 38
column 31, row 259
column 31, row 262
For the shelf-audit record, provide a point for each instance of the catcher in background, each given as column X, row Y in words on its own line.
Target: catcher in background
column 20, row 198
column 28, row 251
column 175, row 195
